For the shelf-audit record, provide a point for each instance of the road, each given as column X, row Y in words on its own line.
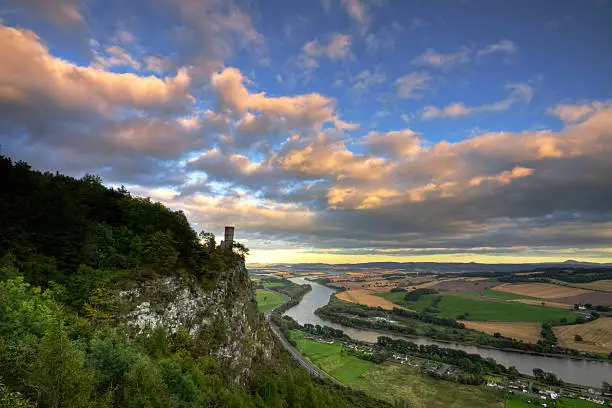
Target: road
column 308, row 366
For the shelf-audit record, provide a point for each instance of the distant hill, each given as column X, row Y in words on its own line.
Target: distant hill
column 429, row 267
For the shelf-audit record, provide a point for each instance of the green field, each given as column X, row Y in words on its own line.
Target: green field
column 266, row 300
column 392, row 382
column 331, row 359
column 488, row 293
column 271, row 285
column 452, row 306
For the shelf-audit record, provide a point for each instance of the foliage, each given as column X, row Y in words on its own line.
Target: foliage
column 65, row 246
column 546, row 377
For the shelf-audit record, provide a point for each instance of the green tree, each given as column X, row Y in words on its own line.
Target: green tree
column 58, row 375
column 160, row 252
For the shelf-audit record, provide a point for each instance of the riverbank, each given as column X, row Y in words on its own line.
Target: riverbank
column 589, row 373
column 352, row 323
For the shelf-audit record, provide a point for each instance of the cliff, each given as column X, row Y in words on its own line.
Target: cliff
column 224, row 316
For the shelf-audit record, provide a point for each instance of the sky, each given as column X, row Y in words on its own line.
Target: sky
column 330, row 130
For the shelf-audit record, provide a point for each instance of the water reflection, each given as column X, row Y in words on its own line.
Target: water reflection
column 574, row 371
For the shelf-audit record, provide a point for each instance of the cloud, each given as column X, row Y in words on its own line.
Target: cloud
column 409, row 85
column 502, row 46
column 366, row 79
column 502, row 178
column 357, row 11
column 439, row 60
column 63, row 13
column 520, row 93
column 576, row 113
column 463, row 55
column 28, row 73
column 338, row 48
column 310, row 110
column 212, row 29
column 116, row 56
column 395, row 144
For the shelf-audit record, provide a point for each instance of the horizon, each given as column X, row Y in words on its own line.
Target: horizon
column 332, row 131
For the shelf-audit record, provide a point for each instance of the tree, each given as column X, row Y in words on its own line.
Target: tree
column 160, row 252
column 577, row 337
column 59, row 376
column 241, row 249
column 208, row 239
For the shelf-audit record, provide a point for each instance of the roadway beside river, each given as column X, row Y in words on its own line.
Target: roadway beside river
column 307, row 365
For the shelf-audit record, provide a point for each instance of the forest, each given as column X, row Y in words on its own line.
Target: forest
column 65, row 244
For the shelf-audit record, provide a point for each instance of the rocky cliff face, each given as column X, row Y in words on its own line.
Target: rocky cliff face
column 224, row 317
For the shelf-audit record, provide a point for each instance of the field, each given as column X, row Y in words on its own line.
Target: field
column 366, row 298
column 272, row 285
column 549, row 303
column 488, row 294
column 266, row 300
column 465, row 285
column 540, row 290
column 331, row 359
column 391, row 382
column 596, row 335
column 605, row 285
column 594, row 298
column 526, row 331
column 479, row 309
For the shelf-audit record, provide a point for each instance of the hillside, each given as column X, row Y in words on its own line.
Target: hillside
column 109, row 300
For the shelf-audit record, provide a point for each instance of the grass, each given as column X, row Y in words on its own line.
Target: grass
column 266, row 300
column 392, row 383
column 330, row 358
column 271, row 285
column 482, row 310
column 488, row 293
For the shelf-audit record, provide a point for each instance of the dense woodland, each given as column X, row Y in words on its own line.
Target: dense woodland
column 64, row 244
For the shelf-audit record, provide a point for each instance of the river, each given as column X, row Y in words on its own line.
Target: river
column 590, row 373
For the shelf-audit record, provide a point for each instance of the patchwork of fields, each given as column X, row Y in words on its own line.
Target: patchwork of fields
column 480, row 309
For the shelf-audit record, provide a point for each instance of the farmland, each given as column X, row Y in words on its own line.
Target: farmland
column 480, row 309
column 366, row 298
column 526, row 331
column 332, row 359
column 604, row 285
column 596, row 335
column 392, row 382
column 541, row 290
column 266, row 300
column 272, row 285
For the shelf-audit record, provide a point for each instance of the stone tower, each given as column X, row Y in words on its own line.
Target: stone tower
column 228, row 242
